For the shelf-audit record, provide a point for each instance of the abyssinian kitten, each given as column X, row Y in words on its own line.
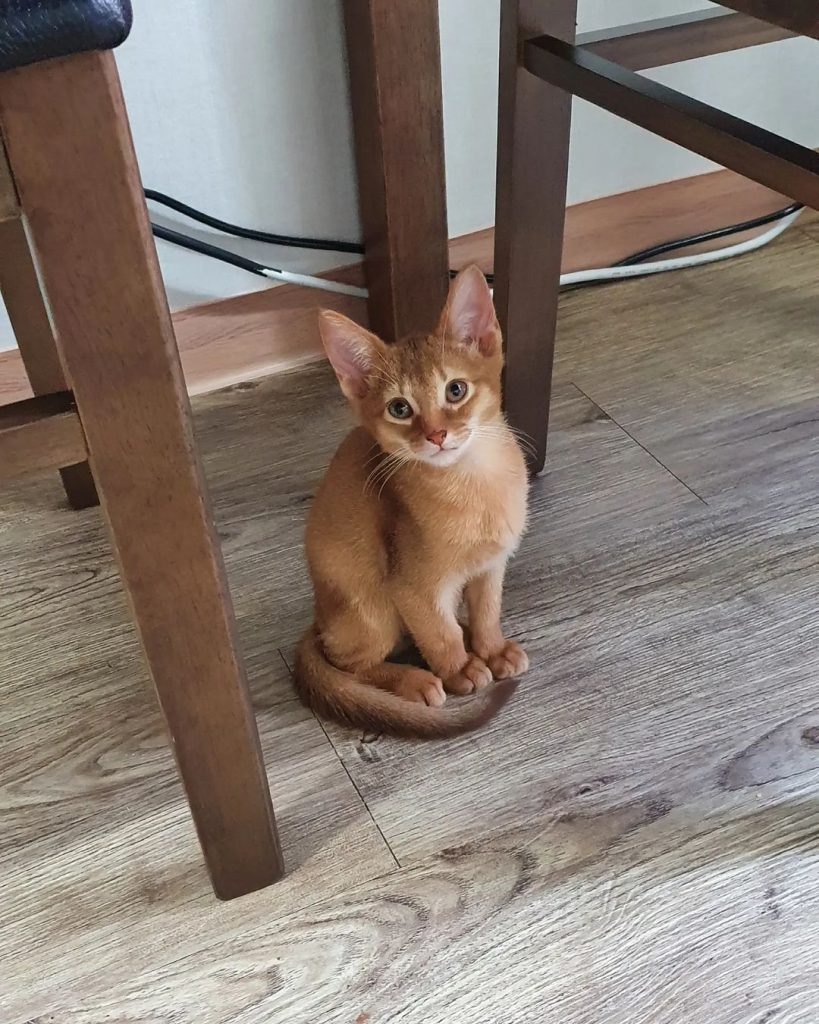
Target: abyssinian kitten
column 421, row 507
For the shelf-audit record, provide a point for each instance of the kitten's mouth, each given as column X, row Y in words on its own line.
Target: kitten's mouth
column 443, row 457
column 448, row 454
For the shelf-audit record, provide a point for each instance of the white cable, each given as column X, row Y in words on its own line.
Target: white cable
column 578, row 276
column 680, row 262
column 307, row 281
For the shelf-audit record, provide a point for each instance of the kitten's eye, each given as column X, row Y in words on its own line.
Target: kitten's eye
column 456, row 390
column 399, row 409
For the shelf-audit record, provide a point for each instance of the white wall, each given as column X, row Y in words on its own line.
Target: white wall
column 241, row 109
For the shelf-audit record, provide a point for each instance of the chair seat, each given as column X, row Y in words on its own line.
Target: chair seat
column 35, row 30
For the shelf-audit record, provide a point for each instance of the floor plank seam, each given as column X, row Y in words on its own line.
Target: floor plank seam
column 639, row 443
column 398, row 863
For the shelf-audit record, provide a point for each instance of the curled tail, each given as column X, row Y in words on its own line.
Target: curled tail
column 338, row 695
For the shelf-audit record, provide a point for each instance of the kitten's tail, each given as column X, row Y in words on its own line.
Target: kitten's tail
column 338, row 695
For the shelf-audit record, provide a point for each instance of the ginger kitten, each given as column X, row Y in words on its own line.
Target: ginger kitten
column 421, row 507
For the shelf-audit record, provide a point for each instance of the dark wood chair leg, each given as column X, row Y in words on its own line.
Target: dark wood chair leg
column 395, row 83
column 81, row 192
column 533, row 162
column 29, row 319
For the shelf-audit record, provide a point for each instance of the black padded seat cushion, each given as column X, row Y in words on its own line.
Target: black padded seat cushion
column 34, row 30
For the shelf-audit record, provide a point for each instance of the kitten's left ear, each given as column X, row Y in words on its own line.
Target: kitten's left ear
column 469, row 314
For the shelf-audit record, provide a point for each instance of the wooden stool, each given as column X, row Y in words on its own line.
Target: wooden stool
column 110, row 390
column 540, row 70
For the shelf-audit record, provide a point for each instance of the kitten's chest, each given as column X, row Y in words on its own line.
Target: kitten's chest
column 484, row 525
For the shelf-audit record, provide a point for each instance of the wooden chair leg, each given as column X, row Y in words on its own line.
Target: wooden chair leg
column 533, row 161
column 395, row 87
column 71, row 153
column 29, row 319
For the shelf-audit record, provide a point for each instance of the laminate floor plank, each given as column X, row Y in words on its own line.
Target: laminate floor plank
column 645, row 914
column 715, row 370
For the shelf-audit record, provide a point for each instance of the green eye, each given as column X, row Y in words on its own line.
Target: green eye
column 456, row 390
column 399, row 409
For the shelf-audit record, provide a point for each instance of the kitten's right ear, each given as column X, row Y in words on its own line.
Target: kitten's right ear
column 353, row 351
column 469, row 314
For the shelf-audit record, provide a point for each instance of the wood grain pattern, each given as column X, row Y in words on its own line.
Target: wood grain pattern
column 698, row 907
column 394, row 59
column 530, row 210
column 83, row 198
column 634, row 841
column 39, row 433
column 113, row 873
column 663, row 41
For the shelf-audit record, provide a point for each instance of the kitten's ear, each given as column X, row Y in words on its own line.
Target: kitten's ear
column 469, row 314
column 353, row 351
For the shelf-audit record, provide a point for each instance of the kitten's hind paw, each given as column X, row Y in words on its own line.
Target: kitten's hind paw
column 474, row 675
column 421, row 687
column 510, row 661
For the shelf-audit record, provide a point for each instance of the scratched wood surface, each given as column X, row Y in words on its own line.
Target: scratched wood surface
column 635, row 840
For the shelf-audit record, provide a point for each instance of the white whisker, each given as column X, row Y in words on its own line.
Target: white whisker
column 382, row 470
column 402, row 461
column 502, row 431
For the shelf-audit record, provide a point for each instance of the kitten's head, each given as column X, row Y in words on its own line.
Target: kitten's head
column 429, row 396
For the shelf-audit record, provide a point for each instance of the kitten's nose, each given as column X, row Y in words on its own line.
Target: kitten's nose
column 437, row 437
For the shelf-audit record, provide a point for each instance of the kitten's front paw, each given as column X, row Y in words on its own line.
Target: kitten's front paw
column 474, row 675
column 510, row 661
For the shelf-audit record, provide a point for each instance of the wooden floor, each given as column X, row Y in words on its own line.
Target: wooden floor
column 634, row 841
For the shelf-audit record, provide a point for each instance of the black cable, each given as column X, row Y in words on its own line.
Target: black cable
column 206, row 249
column 707, row 236
column 226, row 228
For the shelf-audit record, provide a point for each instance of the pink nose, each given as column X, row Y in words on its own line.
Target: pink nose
column 437, row 437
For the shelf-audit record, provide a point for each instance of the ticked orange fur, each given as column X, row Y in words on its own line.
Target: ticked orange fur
column 420, row 509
